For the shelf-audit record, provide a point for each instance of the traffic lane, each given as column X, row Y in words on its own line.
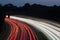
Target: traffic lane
column 56, row 25
column 28, row 29
column 14, row 31
column 34, row 22
column 22, row 30
column 12, row 37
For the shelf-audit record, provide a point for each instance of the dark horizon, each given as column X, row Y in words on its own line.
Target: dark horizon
column 35, row 10
column 22, row 2
column 30, row 5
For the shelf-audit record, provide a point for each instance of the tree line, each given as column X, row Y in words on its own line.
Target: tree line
column 34, row 10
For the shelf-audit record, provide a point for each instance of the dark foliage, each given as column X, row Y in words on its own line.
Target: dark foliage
column 34, row 10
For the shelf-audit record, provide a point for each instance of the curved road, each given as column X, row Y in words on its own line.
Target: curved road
column 24, row 30
column 51, row 31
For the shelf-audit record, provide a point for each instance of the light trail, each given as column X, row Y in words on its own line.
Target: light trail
column 23, row 27
column 21, row 24
column 14, row 31
column 23, row 31
column 52, row 32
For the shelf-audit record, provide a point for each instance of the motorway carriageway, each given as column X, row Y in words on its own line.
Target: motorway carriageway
column 22, row 34
column 51, row 31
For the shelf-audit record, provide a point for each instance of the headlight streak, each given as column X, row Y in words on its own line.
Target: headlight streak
column 47, row 29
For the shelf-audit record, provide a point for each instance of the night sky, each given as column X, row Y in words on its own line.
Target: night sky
column 22, row 2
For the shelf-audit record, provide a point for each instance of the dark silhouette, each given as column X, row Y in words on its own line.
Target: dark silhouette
column 34, row 10
column 2, row 16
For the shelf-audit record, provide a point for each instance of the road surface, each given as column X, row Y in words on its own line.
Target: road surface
column 51, row 31
column 24, row 30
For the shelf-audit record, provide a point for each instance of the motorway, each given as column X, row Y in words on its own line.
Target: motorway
column 19, row 30
column 51, row 31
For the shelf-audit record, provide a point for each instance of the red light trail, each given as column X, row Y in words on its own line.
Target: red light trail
column 24, row 30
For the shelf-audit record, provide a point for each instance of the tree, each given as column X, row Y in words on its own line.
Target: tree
column 2, row 16
column 27, row 5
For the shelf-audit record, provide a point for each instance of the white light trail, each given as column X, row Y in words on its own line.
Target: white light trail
column 52, row 32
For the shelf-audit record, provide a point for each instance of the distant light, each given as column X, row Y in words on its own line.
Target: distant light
column 6, row 15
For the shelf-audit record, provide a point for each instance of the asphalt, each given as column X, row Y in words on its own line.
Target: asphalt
column 39, row 35
column 51, row 31
column 21, row 30
column 6, row 31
